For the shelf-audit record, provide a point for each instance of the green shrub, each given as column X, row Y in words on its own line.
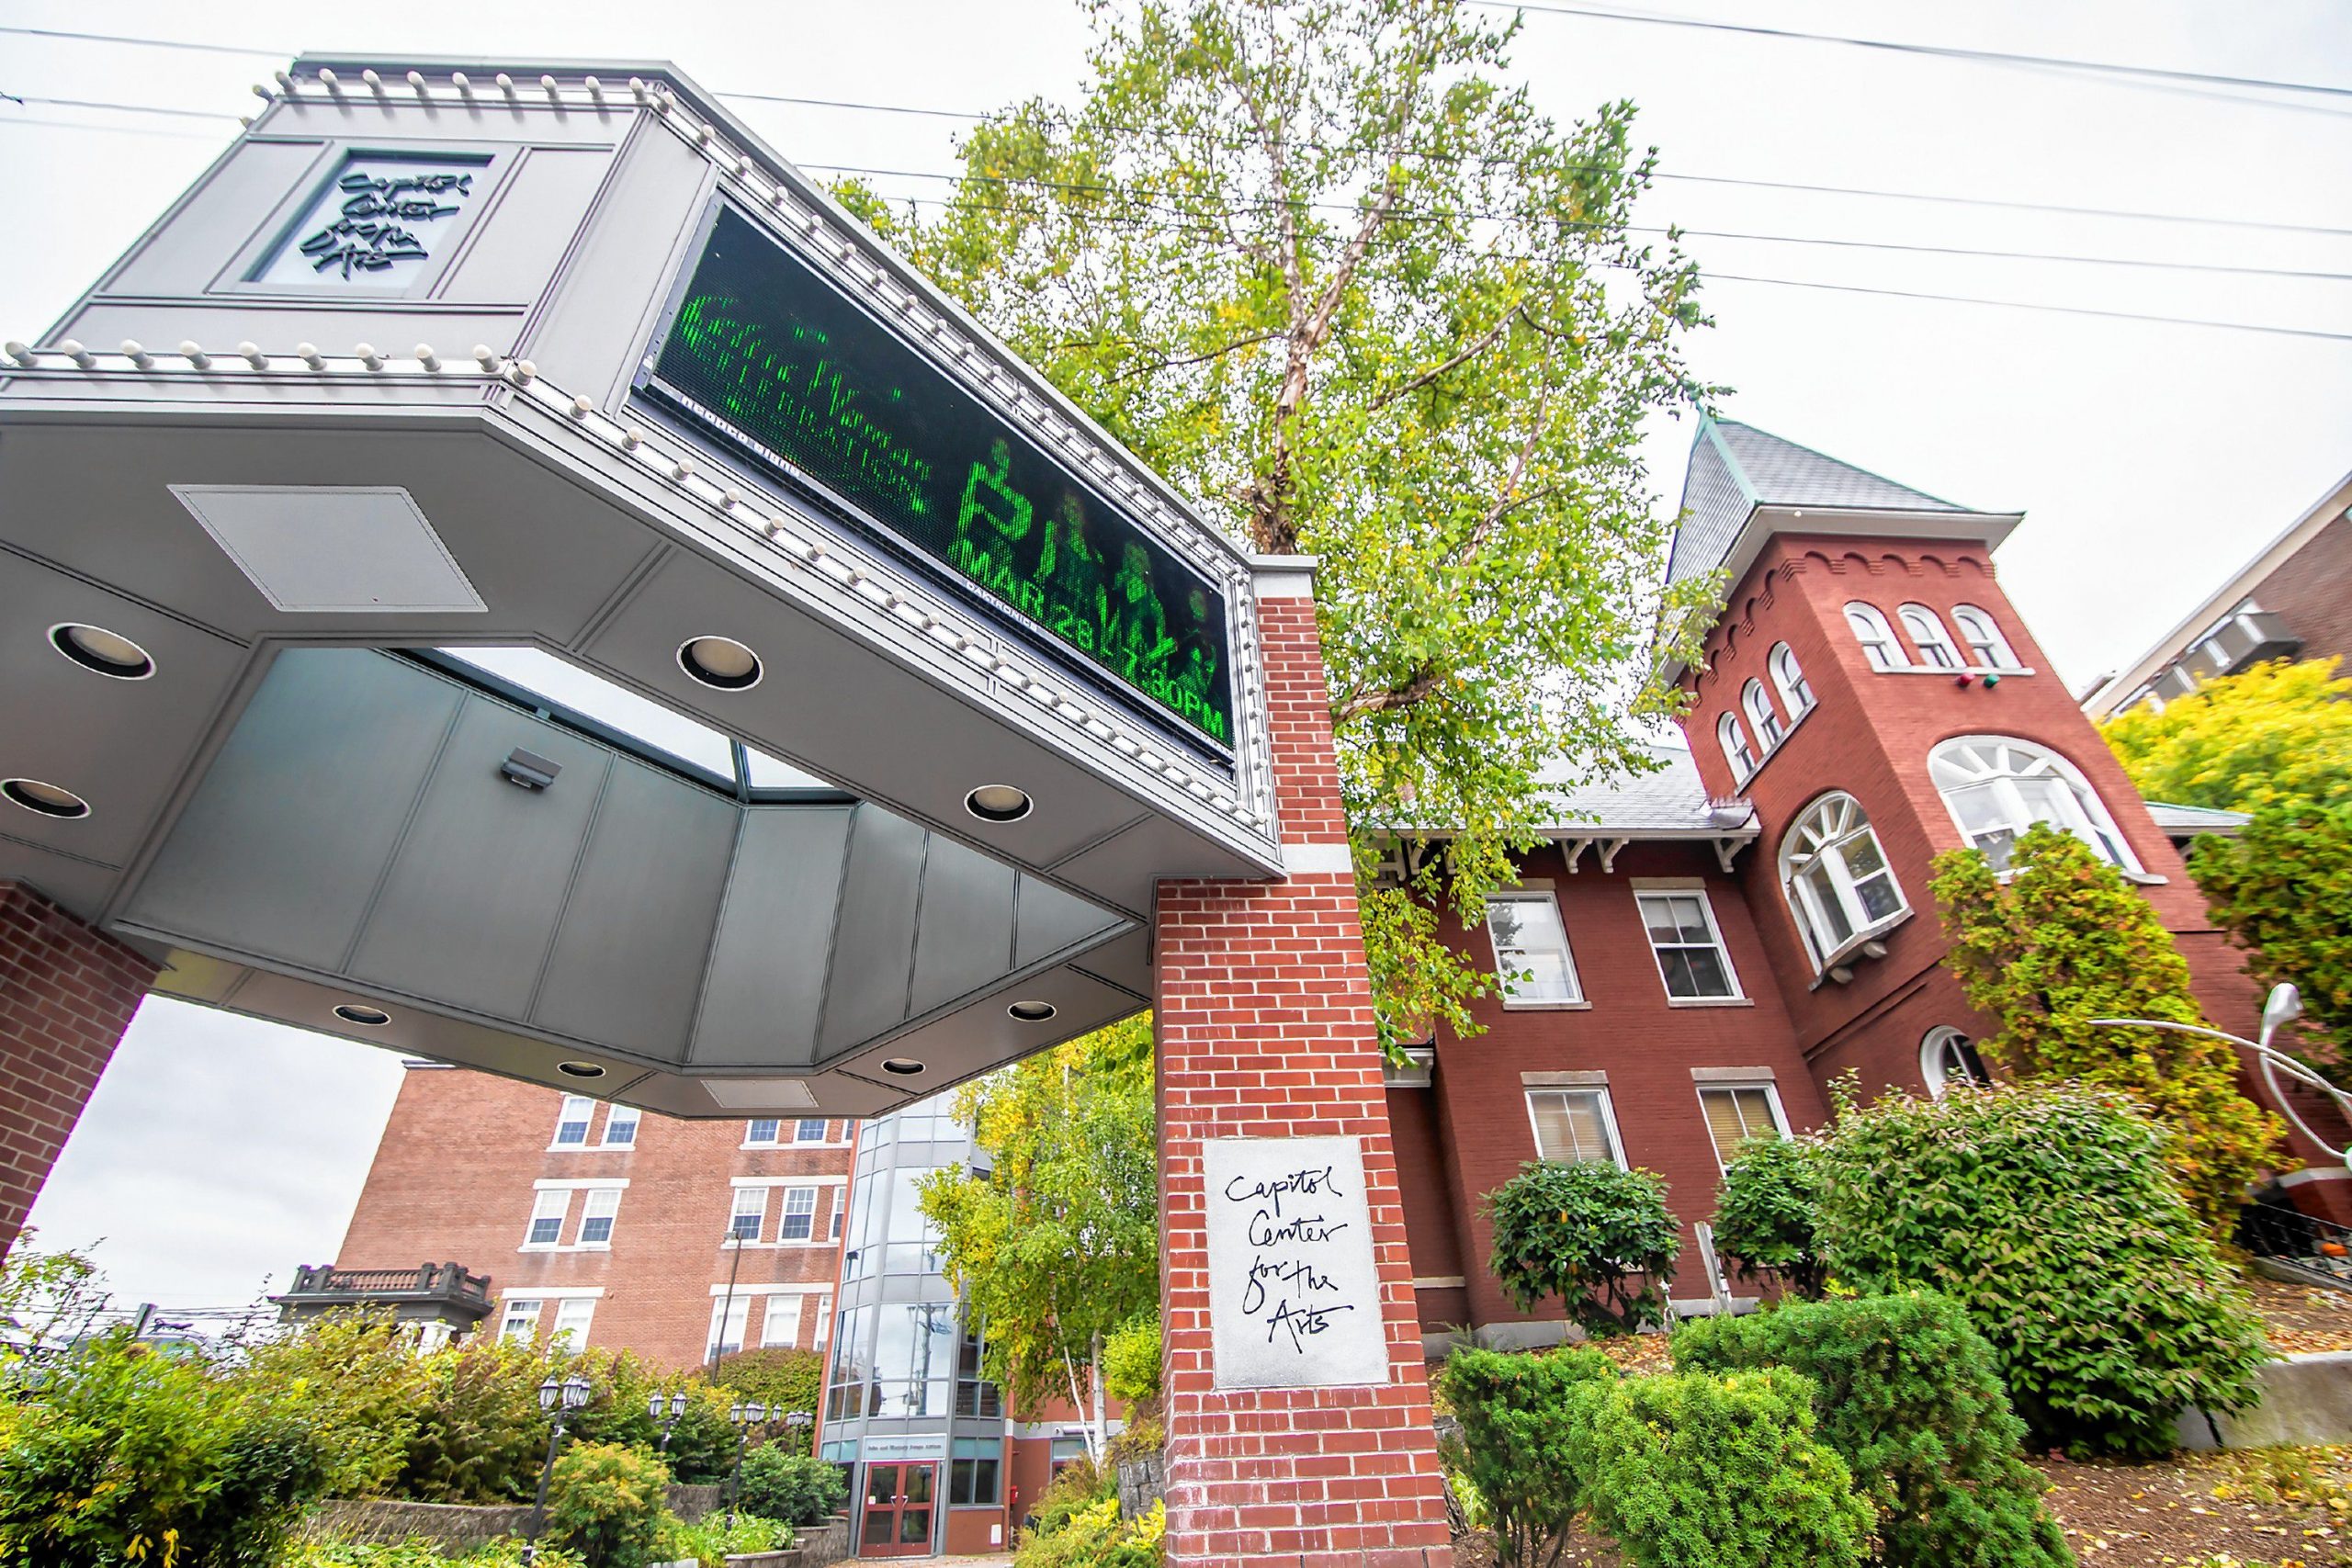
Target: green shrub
column 2048, row 1214
column 606, row 1502
column 1910, row 1398
column 1765, row 1215
column 1514, row 1444
column 1077, row 1486
column 793, row 1487
column 1593, row 1234
column 781, row 1380
column 417, row 1552
column 1131, row 1361
column 1692, row 1470
column 1095, row 1537
column 709, row 1540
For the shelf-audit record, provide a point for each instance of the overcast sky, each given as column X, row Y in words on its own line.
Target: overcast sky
column 2150, row 460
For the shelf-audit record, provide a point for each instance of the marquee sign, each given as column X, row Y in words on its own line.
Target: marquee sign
column 778, row 363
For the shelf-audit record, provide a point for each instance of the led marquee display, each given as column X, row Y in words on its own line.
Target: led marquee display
column 793, row 373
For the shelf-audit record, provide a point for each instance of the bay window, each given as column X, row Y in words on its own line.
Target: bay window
column 1836, row 880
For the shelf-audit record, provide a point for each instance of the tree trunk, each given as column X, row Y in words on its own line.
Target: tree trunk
column 1099, row 1433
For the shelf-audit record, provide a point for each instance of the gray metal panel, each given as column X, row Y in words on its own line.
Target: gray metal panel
column 637, row 928
column 873, row 941
column 524, row 237
column 184, row 255
column 470, row 905
column 767, row 968
column 966, row 940
column 289, row 834
column 1051, row 920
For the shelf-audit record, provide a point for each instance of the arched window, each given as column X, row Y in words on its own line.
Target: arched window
column 1795, row 695
column 1735, row 751
column 1838, row 882
column 1928, row 634
column 1876, row 637
column 1983, row 635
column 1997, row 787
column 1946, row 1057
column 1762, row 716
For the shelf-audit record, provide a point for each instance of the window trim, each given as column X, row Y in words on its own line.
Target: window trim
column 507, row 1311
column 1809, row 931
column 612, row 1220
column 1568, row 949
column 1884, row 651
column 1931, row 1067
column 634, row 1119
column 2079, row 789
column 776, row 1143
column 1788, row 678
column 587, row 1321
column 2008, row 662
column 721, row 1309
column 733, row 1236
column 540, row 1197
column 1688, row 887
column 556, row 1143
column 1769, row 723
column 784, row 1213
column 1739, row 753
column 1527, row 1094
column 1770, row 1085
column 1935, row 639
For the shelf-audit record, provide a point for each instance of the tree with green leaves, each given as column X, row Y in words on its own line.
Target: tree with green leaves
column 1057, row 1245
column 2277, row 732
column 1592, row 1234
column 2283, row 887
column 2065, row 940
column 1764, row 1215
column 1326, row 267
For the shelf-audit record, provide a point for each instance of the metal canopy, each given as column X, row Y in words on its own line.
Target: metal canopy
column 259, row 473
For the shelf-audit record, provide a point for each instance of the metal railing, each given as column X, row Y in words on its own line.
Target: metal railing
column 449, row 1281
column 2311, row 1247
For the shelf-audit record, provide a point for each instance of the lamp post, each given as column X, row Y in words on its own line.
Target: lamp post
column 559, row 1399
column 2285, row 1005
column 667, row 1411
column 745, row 1418
column 726, row 1307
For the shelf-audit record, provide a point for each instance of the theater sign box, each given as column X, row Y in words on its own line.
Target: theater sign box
column 604, row 618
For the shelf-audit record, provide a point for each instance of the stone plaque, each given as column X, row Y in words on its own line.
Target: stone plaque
column 1293, row 1293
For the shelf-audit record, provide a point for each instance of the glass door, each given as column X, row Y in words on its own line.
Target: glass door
column 897, row 1519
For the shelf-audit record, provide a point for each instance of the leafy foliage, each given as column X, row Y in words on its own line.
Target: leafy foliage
column 1597, row 1236
column 1318, row 263
column 2046, row 1214
column 798, row 1488
column 1909, row 1394
column 1688, row 1470
column 417, row 1552
column 781, row 1380
column 1131, row 1368
column 604, row 1501
column 709, row 1540
column 2068, row 940
column 1059, row 1245
column 1095, row 1537
column 2283, row 887
column 1077, row 1486
column 1764, row 1216
column 1515, row 1450
column 2278, row 733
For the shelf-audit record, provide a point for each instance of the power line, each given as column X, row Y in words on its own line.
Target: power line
column 2027, row 305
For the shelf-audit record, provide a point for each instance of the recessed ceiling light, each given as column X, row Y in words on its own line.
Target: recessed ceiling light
column 998, row 803
column 368, row 1017
column 103, row 652
column 720, row 662
column 45, row 798
column 1032, row 1012
column 904, row 1066
column 580, row 1069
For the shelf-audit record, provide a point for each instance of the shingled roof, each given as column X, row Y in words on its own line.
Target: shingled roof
column 1670, row 801
column 1735, row 468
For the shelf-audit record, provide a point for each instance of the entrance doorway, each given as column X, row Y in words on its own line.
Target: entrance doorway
column 898, row 1508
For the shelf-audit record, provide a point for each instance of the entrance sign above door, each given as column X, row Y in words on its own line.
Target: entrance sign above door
column 1293, row 1290
column 780, row 364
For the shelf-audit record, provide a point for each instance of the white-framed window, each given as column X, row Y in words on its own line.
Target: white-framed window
column 808, row 1130
column 1928, row 634
column 841, row 1211
column 1762, row 716
column 572, row 1122
column 1573, row 1124
column 1733, row 741
column 780, row 1328
column 799, row 1222
column 1531, row 950
column 1876, row 637
column 1946, row 1057
column 573, row 1316
column 762, row 1130
column 620, row 1126
column 727, row 1321
column 549, row 1206
column 751, row 1214
column 823, row 1328
column 1838, row 884
column 1687, row 944
column 1788, row 678
column 1997, row 786
column 1983, row 635
column 597, row 1216
column 519, row 1324
column 1736, row 1113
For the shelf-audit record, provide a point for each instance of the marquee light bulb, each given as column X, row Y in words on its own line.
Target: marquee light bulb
column 426, row 357
column 368, row 356
column 582, row 406
column 547, row 84
column 485, row 358
column 136, row 354
column 21, row 354
column 595, row 91
column 264, row 94
column 463, row 82
column 285, row 82
column 373, row 80
column 196, row 355
column 74, row 351
column 252, row 354
column 416, row 80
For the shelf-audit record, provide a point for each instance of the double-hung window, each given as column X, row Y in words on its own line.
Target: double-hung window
column 1796, row 696
column 751, row 1216
column 1838, row 884
column 549, row 1206
column 1928, row 634
column 1733, row 741
column 727, row 1322
column 799, row 1222
column 780, row 1326
column 573, row 1316
column 1531, row 950
column 1983, row 635
column 620, row 1127
column 764, row 1130
column 1736, row 1113
column 1572, row 1124
column 519, row 1324
column 808, row 1130
column 1876, row 637
column 1688, row 945
column 572, row 1122
column 597, row 1216
column 1762, row 716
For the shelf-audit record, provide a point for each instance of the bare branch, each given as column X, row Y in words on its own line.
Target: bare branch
column 1475, row 347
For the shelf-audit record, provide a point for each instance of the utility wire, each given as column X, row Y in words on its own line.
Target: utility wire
column 2027, row 305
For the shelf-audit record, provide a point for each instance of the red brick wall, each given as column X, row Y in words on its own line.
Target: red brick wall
column 2311, row 592
column 1265, row 1023
column 453, row 1177
column 67, row 992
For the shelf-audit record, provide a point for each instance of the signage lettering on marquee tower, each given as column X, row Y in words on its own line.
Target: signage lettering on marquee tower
column 778, row 363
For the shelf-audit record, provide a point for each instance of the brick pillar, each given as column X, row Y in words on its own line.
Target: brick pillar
column 1265, row 1031
column 67, row 992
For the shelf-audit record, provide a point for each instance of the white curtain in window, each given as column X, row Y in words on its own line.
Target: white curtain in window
column 1997, row 787
column 1838, row 884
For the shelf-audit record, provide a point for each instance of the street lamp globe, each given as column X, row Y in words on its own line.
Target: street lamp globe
column 656, row 1406
column 550, row 1392
column 678, row 1405
column 576, row 1392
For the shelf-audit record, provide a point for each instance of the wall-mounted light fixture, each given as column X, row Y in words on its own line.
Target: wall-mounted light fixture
column 528, row 769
